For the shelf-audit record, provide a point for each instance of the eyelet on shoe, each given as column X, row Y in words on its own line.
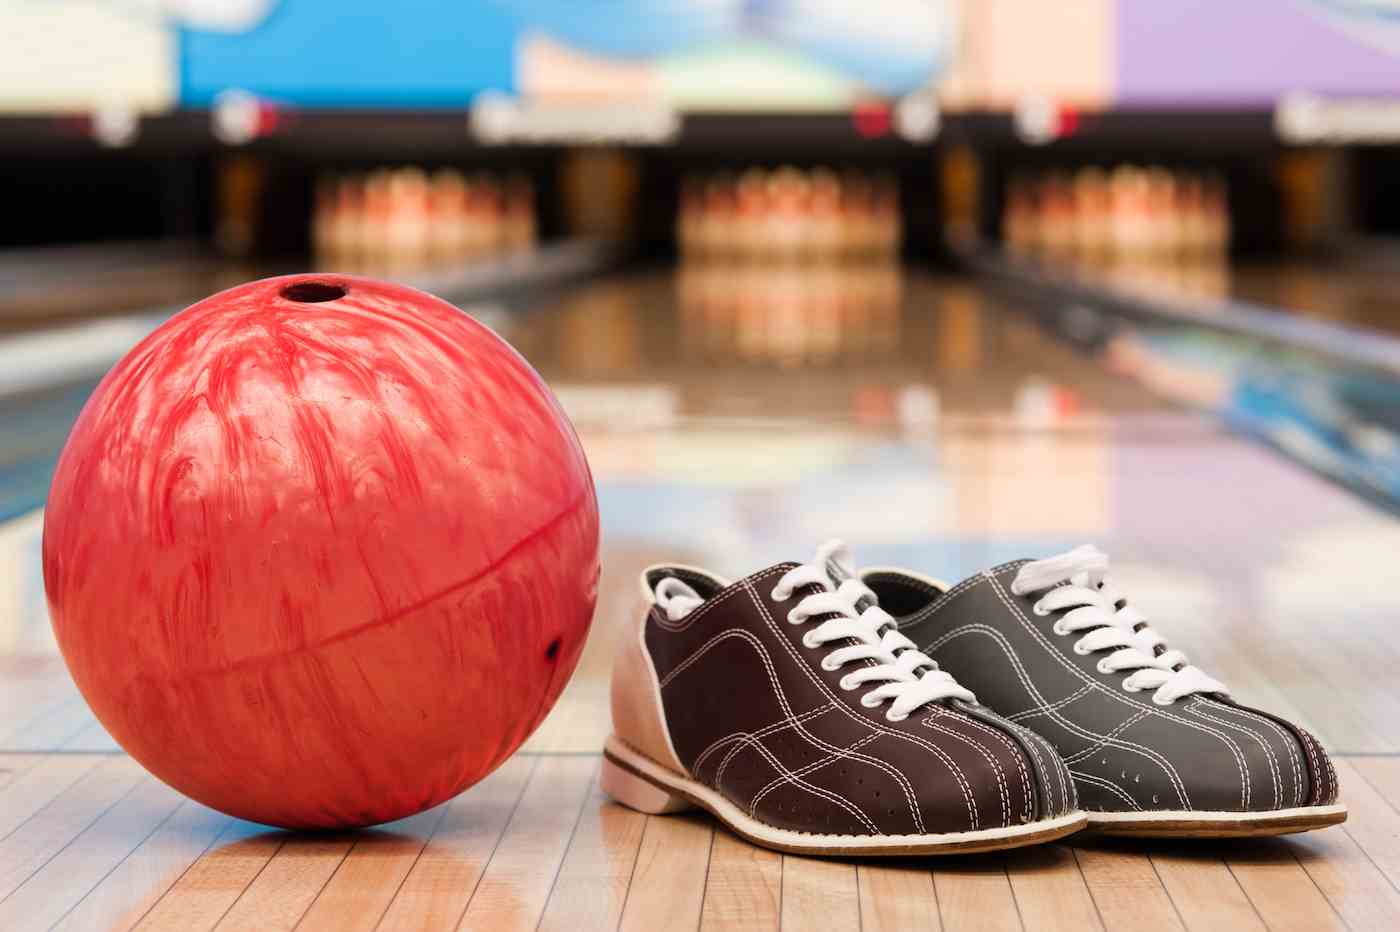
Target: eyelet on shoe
column 1102, row 666
column 1080, row 649
column 828, row 666
column 891, row 717
column 795, row 617
column 807, row 641
column 846, row 683
column 1059, row 628
column 1040, row 609
column 868, row 702
column 778, row 596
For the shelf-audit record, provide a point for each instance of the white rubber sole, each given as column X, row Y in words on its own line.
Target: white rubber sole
column 638, row 783
column 1206, row 824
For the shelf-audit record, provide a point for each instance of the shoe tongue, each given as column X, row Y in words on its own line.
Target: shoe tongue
column 838, row 572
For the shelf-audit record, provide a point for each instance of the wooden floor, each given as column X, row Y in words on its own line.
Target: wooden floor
column 91, row 842
column 938, row 454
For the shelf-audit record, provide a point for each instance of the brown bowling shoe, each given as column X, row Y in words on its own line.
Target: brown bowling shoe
column 1157, row 747
column 780, row 708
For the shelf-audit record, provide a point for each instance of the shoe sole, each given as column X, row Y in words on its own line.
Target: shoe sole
column 1188, row 824
column 637, row 782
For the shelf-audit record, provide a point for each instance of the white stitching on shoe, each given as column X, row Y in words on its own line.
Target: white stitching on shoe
column 783, row 703
column 1000, row 639
column 786, row 776
column 1034, row 742
column 1056, row 705
column 1199, row 708
column 1290, row 741
column 1121, row 727
column 758, row 735
column 1011, row 746
column 1229, row 743
column 938, row 752
column 987, row 755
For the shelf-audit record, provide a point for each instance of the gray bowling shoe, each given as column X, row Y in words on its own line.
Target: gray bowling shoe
column 1156, row 746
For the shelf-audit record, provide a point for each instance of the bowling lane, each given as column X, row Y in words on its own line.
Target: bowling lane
column 738, row 414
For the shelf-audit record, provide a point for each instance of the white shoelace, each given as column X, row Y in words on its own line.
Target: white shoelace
column 1075, row 583
column 907, row 679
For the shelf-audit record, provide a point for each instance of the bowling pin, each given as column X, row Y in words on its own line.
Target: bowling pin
column 751, row 207
column 888, row 221
column 325, row 228
column 788, row 230
column 407, row 232
column 519, row 214
column 824, row 215
column 448, row 205
column 1019, row 226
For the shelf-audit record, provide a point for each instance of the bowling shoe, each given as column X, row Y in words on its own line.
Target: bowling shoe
column 783, row 710
column 1156, row 746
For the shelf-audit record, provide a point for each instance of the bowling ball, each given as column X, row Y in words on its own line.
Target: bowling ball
column 321, row 551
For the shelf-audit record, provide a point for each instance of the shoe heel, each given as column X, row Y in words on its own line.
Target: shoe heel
column 637, row 792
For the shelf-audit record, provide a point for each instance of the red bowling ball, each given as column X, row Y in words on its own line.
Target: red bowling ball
column 321, row 551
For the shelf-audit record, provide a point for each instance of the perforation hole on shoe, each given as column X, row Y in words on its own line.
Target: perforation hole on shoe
column 1040, row 609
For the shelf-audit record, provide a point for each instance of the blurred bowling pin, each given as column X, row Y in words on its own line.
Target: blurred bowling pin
column 519, row 214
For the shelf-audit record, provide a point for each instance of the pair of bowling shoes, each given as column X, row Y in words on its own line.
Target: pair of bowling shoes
column 820, row 710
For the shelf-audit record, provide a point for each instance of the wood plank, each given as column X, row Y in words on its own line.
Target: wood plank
column 53, row 730
column 290, row 882
column 1282, row 892
column 896, row 898
column 744, row 887
column 1125, row 887
column 819, row 894
column 1202, row 888
column 129, row 891
column 436, row 891
column 597, row 869
column 72, row 873
column 33, row 789
column 55, row 825
column 518, row 879
column 364, row 884
column 1050, row 891
column 205, row 892
column 668, row 885
column 12, row 766
column 974, row 894
column 1351, row 881
column 1373, row 820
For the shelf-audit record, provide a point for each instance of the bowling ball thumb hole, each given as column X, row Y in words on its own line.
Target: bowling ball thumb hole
column 314, row 292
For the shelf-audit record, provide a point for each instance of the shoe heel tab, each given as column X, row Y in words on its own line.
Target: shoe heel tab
column 652, row 576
